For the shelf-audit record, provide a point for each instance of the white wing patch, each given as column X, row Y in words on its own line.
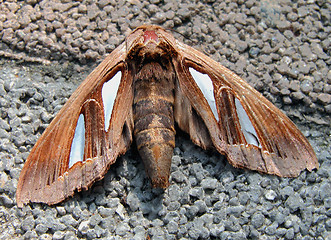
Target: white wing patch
column 109, row 92
column 206, row 86
column 78, row 143
column 246, row 125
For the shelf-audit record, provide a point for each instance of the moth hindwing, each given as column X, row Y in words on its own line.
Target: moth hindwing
column 145, row 86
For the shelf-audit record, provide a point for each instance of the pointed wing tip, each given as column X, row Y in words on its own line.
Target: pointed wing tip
column 19, row 201
column 313, row 165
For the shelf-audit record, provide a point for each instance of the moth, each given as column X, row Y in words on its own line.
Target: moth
column 145, row 86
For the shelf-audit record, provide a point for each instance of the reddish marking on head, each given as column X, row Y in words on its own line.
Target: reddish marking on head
column 150, row 36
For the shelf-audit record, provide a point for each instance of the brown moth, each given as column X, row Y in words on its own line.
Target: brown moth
column 139, row 91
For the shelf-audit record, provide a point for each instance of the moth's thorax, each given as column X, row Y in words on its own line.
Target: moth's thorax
column 154, row 130
column 150, row 43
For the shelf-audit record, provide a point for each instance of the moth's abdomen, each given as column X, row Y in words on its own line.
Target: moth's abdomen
column 152, row 125
column 154, row 129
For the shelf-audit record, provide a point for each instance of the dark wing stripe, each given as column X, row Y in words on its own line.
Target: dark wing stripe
column 230, row 127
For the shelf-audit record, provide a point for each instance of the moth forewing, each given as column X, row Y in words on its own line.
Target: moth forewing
column 278, row 152
column 47, row 175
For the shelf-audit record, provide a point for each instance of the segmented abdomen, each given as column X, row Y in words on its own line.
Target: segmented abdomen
column 154, row 129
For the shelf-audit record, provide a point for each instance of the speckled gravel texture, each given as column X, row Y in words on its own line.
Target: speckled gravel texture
column 282, row 48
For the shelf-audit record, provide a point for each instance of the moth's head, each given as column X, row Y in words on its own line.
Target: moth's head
column 150, row 42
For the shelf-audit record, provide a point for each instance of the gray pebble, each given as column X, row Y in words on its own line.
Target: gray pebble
column 55, row 224
column 83, row 227
column 178, row 176
column 324, row 98
column 270, row 195
column 69, row 235
column 294, row 202
column 61, row 210
column 69, row 220
column 30, row 235
column 283, row 25
column 271, row 229
column 58, row 235
column 289, row 233
column 172, row 216
column 235, row 210
column 159, row 17
column 194, row 233
column 286, row 191
column 197, row 192
column 28, row 223
column 209, row 183
column 201, row 205
column 41, row 228
column 233, row 201
column 6, row 201
column 297, row 96
column 243, row 198
column 306, row 86
column 172, row 227
column 232, row 224
column 325, row 190
column 192, row 211
column 133, row 202
column 4, row 134
column 173, row 206
column 257, row 219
